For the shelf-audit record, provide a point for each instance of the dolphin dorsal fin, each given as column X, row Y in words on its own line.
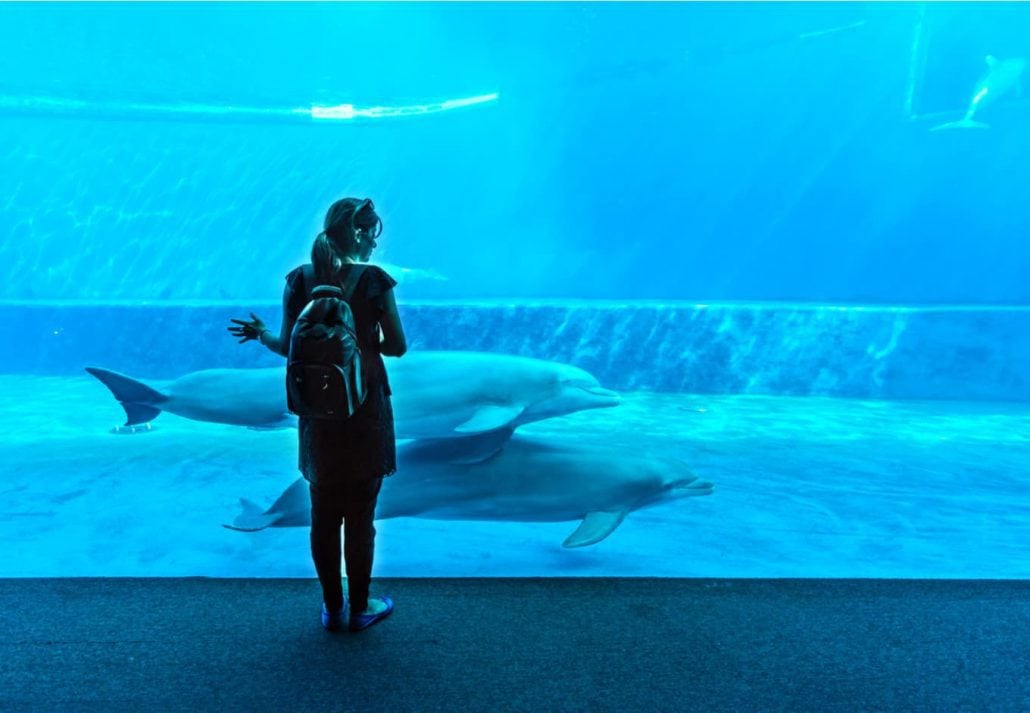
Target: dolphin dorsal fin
column 490, row 418
column 595, row 527
column 482, row 451
column 467, row 450
column 991, row 60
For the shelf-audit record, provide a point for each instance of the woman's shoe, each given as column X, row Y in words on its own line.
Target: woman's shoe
column 333, row 621
column 363, row 621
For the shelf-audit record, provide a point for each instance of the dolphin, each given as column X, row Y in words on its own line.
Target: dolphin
column 436, row 394
column 406, row 274
column 502, row 477
column 1002, row 76
column 242, row 397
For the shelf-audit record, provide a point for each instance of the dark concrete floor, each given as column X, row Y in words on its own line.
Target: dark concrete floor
column 519, row 644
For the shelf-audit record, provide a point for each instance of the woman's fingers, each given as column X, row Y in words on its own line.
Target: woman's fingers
column 246, row 330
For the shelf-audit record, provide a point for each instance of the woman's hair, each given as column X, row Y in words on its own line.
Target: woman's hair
column 338, row 239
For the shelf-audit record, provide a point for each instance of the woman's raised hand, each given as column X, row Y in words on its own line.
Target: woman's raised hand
column 248, row 330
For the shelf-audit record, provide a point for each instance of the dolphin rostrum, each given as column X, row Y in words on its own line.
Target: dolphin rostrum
column 521, row 479
column 436, row 394
column 1002, row 76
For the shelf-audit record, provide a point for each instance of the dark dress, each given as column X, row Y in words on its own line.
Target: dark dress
column 345, row 461
column 363, row 446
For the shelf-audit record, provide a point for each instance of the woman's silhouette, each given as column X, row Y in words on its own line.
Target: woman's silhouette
column 345, row 461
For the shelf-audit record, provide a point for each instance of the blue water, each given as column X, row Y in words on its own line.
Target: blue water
column 661, row 151
column 735, row 214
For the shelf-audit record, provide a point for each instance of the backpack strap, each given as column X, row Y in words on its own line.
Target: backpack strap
column 307, row 271
column 353, row 275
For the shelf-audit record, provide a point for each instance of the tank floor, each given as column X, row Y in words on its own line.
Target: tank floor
column 804, row 487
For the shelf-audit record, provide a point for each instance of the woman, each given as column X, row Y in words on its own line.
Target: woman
column 345, row 461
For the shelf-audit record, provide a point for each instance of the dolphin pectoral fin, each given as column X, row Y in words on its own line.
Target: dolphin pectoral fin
column 595, row 527
column 253, row 518
column 489, row 418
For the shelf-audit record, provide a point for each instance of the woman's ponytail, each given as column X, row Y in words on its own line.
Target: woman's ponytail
column 326, row 261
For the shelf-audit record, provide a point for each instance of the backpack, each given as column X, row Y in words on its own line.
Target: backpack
column 324, row 379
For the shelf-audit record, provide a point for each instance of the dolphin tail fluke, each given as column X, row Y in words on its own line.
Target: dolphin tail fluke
column 961, row 124
column 253, row 518
column 595, row 527
column 139, row 400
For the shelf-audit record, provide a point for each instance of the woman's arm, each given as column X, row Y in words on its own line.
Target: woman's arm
column 281, row 344
column 255, row 329
column 393, row 343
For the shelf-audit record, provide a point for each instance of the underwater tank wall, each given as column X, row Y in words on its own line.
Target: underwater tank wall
column 742, row 217
column 697, row 151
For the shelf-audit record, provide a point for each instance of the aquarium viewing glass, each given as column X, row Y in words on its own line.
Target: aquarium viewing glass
column 690, row 289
